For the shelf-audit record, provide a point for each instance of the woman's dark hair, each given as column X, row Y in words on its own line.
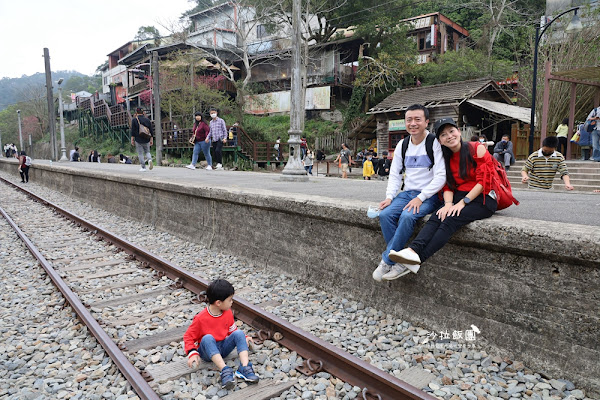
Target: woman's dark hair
column 474, row 138
column 95, row 156
column 219, row 289
column 466, row 162
column 566, row 121
column 198, row 113
column 23, row 153
column 196, row 122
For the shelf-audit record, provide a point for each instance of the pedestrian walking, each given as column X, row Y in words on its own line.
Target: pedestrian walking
column 308, row 162
column 24, row 164
column 218, row 136
column 199, row 135
column 141, row 128
column 593, row 126
column 345, row 160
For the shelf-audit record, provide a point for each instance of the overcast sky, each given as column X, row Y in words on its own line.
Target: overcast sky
column 78, row 33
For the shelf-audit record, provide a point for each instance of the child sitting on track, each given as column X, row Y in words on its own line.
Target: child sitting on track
column 213, row 334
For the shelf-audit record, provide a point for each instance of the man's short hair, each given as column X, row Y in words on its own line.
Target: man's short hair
column 219, row 289
column 506, row 136
column 550, row 141
column 213, row 109
column 419, row 107
column 139, row 110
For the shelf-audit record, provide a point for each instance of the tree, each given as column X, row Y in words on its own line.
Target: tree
column 183, row 94
column 463, row 64
column 147, row 33
column 565, row 52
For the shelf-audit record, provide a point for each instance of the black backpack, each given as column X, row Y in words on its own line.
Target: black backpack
column 428, row 148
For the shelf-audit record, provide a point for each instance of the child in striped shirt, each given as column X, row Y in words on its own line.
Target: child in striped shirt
column 541, row 166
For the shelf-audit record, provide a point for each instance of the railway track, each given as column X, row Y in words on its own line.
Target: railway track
column 105, row 276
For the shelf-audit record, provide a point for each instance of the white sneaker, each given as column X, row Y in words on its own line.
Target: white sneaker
column 396, row 272
column 209, row 168
column 406, row 256
column 381, row 270
column 190, row 166
column 150, row 165
column 143, row 169
column 219, row 166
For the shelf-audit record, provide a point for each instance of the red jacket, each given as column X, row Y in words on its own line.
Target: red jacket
column 205, row 323
column 200, row 131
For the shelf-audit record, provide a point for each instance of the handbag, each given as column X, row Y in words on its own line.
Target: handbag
column 575, row 138
column 590, row 125
column 144, row 132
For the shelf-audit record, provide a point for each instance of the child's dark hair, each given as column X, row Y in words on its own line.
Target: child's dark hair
column 550, row 141
column 219, row 289
column 565, row 121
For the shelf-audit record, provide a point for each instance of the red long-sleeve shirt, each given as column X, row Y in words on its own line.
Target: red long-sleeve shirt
column 205, row 323
column 480, row 174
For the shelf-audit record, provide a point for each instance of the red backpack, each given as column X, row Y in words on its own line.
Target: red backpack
column 501, row 186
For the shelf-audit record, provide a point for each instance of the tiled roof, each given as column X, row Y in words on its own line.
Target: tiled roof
column 431, row 96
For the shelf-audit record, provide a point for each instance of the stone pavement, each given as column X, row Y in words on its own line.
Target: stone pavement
column 557, row 205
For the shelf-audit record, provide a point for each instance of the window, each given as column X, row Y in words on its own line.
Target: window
column 261, row 31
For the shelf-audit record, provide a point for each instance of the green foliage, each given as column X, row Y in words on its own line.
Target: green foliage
column 147, row 32
column 462, row 65
column 354, row 109
column 184, row 99
column 268, row 128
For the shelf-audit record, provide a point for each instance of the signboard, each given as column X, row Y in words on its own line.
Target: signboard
column 317, row 98
column 396, row 125
column 422, row 22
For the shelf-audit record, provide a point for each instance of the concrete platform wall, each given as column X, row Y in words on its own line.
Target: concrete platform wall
column 532, row 288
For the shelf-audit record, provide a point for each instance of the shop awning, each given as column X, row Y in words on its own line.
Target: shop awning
column 506, row 110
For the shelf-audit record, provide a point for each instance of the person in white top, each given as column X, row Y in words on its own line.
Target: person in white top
column 423, row 179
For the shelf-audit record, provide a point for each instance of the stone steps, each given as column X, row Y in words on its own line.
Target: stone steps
column 584, row 176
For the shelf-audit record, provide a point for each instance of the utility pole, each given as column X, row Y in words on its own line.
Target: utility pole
column 1, row 148
column 20, row 132
column 294, row 171
column 157, row 122
column 51, row 114
column 63, row 148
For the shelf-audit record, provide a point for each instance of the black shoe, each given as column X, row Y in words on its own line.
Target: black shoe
column 507, row 168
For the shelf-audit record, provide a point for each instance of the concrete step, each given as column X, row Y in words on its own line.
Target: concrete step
column 575, row 180
column 573, row 175
column 558, row 187
column 570, row 164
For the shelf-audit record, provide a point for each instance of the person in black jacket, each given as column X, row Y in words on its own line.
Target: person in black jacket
column 142, row 145
column 383, row 167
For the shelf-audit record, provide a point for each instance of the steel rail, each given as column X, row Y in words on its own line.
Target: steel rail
column 132, row 375
column 376, row 383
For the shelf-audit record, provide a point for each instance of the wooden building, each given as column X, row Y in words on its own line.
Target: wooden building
column 479, row 106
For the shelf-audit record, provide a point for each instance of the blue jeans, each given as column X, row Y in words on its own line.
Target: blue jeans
column 209, row 346
column 308, row 169
column 596, row 144
column 397, row 225
column 205, row 147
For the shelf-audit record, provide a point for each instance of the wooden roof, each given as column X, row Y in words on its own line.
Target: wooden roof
column 437, row 95
column 583, row 73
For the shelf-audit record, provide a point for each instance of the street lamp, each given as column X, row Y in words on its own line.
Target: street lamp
column 20, row 133
column 63, row 148
column 573, row 27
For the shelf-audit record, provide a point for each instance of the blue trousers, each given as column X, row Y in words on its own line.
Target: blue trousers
column 596, row 144
column 205, row 147
column 209, row 346
column 397, row 225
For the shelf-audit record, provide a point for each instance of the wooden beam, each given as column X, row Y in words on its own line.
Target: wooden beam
column 577, row 81
column 571, row 119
